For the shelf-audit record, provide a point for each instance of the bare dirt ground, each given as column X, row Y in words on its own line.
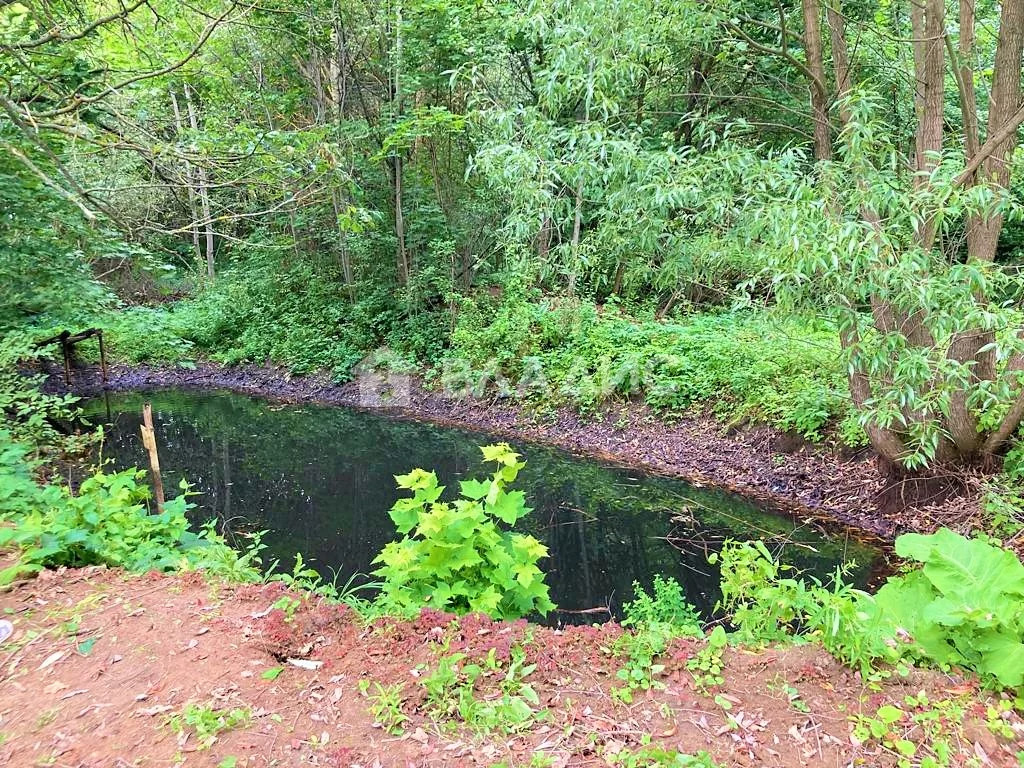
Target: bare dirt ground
column 102, row 669
column 779, row 470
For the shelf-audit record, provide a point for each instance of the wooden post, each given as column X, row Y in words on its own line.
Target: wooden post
column 149, row 441
column 103, row 359
column 67, row 362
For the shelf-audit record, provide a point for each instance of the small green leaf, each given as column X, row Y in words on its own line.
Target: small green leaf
column 85, row 647
column 272, row 673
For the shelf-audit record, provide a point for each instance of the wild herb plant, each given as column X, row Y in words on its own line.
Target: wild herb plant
column 208, row 723
column 962, row 605
column 457, row 556
column 108, row 521
column 659, row 757
column 451, row 692
column 654, row 620
column 767, row 606
column 386, row 705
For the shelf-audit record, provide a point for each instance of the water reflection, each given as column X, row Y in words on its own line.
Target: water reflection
column 321, row 479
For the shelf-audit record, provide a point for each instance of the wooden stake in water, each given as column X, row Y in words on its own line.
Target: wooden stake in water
column 149, row 441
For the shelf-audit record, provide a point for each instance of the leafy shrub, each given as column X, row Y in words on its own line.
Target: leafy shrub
column 655, row 620
column 785, row 371
column 664, row 605
column 455, row 556
column 767, row 606
column 138, row 334
column 106, row 522
column 450, row 690
column 963, row 606
column 34, row 418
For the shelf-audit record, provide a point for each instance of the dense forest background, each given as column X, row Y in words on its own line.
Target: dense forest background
column 798, row 213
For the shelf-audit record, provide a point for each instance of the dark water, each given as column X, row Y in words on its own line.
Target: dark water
column 320, row 481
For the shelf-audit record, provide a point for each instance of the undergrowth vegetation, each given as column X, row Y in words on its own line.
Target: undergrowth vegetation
column 108, row 520
column 956, row 605
column 456, row 556
column 758, row 365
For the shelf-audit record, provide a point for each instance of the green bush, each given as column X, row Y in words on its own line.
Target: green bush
column 767, row 606
column 665, row 604
column 39, row 420
column 107, row 522
column 146, row 334
column 455, row 556
column 785, row 371
column 654, row 620
column 960, row 604
column 963, row 605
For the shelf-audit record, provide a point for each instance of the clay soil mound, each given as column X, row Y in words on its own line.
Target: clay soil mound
column 104, row 668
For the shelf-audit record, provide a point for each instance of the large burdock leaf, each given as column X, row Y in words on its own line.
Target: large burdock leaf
column 1003, row 658
column 977, row 573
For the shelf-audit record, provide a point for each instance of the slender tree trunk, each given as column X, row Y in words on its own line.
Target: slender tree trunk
column 819, row 90
column 402, row 255
column 343, row 255
column 840, row 57
column 929, row 28
column 189, row 180
column 204, row 190
column 574, row 247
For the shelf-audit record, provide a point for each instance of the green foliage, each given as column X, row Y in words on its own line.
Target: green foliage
column 386, row 705
column 706, row 665
column 655, row 620
column 38, row 420
column 664, row 605
column 784, row 371
column 963, row 605
column 959, row 604
column 659, row 757
column 451, row 691
column 208, row 723
column 921, row 732
column 456, row 556
column 262, row 313
column 146, row 334
column 767, row 606
column 106, row 522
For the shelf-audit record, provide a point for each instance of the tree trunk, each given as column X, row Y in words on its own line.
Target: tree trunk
column 189, row 180
column 819, row 91
column 343, row 255
column 402, row 256
column 204, row 189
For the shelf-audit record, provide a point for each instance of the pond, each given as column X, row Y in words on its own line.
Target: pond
column 320, row 480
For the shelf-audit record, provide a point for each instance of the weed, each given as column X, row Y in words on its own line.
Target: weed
column 456, row 557
column 706, row 665
column 780, row 685
column 288, row 605
column 657, row 757
column 655, row 619
column 208, row 723
column 450, row 690
column 386, row 705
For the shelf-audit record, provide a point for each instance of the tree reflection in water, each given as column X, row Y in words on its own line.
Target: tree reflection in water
column 321, row 479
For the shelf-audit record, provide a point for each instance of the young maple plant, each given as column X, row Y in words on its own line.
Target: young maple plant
column 457, row 556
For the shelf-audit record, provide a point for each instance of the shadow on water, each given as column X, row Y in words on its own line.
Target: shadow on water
column 320, row 481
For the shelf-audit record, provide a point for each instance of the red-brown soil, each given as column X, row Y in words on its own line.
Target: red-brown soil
column 100, row 661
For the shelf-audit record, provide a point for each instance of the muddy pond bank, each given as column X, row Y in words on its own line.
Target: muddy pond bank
column 760, row 463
